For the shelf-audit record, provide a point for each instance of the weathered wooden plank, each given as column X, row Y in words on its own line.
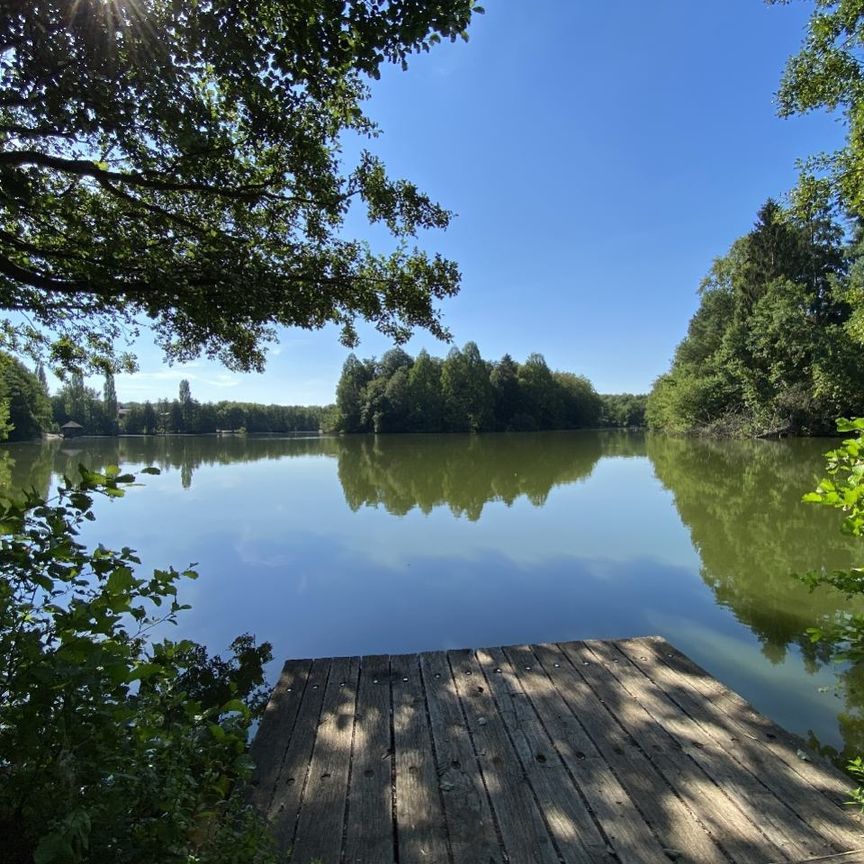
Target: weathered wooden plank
column 567, row 816
column 420, row 827
column 812, row 788
column 369, row 834
column 586, row 685
column 523, row 831
column 470, row 824
column 322, row 813
column 741, row 716
column 676, row 824
column 777, row 821
column 527, row 755
column 274, row 732
column 288, row 789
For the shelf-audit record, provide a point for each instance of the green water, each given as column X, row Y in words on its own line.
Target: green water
column 328, row 546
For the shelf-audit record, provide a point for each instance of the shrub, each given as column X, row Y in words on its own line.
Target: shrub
column 113, row 746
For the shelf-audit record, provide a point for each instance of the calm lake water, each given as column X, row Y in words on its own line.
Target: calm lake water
column 328, row 546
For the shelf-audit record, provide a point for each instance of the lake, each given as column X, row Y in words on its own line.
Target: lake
column 387, row 544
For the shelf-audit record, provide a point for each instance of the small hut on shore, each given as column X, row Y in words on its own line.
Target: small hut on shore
column 72, row 429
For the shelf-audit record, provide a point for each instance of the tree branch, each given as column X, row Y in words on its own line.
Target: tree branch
column 39, row 132
column 89, row 168
column 12, row 240
column 35, row 279
column 156, row 209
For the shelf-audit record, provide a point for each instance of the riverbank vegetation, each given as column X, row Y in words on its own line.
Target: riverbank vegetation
column 186, row 170
column 25, row 410
column 776, row 342
column 535, row 399
column 770, row 350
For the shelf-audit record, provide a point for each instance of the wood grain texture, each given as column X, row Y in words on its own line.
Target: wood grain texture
column 467, row 810
column 420, row 826
column 274, row 732
column 810, row 787
column 369, row 834
column 645, row 783
column 322, row 814
column 568, row 818
column 513, row 799
column 291, row 780
column 582, row 752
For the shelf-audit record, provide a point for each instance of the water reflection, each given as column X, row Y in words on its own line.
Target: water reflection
column 499, row 539
column 741, row 502
column 463, row 472
column 398, row 472
column 32, row 466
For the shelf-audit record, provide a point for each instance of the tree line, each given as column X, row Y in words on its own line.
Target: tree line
column 461, row 393
column 465, row 393
column 100, row 414
column 27, row 409
column 772, row 347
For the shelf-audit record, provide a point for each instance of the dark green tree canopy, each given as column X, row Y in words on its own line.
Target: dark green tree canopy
column 461, row 393
column 26, row 403
column 828, row 74
column 769, row 348
column 181, row 163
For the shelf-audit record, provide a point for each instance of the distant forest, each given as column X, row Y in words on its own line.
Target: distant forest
column 101, row 413
column 465, row 393
column 397, row 393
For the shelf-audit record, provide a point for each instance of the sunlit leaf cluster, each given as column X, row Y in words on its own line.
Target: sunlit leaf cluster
column 182, row 164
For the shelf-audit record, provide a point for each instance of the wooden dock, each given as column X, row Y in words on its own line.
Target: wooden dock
column 620, row 751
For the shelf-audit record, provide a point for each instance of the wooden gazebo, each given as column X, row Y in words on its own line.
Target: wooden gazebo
column 71, row 429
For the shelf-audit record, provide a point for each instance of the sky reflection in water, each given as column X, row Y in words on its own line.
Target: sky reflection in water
column 408, row 543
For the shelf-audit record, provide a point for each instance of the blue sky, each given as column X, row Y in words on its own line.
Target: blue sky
column 599, row 157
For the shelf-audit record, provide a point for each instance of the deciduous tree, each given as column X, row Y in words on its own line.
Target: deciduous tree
column 182, row 164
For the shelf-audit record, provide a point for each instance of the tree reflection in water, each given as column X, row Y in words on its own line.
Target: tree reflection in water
column 740, row 501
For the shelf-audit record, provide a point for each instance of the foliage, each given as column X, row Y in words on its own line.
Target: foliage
column 113, row 747
column 461, row 393
column 184, row 164
column 203, row 417
column 27, row 409
column 623, row 410
column 843, row 489
column 75, row 401
column 86, row 406
column 826, row 74
column 768, row 350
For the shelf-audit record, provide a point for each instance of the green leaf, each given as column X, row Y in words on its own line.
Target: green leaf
column 844, row 425
column 144, row 671
column 121, row 579
column 235, row 705
column 53, row 848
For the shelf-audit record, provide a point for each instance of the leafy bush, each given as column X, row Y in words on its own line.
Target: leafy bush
column 113, row 746
column 843, row 489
